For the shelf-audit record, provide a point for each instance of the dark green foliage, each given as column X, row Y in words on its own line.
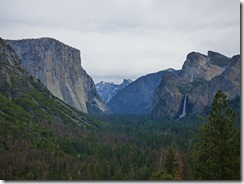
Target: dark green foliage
column 187, row 88
column 42, row 138
column 170, row 162
column 40, row 135
column 235, row 106
column 197, row 82
column 172, row 166
column 124, row 148
column 217, row 151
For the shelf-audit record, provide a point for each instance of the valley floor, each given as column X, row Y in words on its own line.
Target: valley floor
column 123, row 148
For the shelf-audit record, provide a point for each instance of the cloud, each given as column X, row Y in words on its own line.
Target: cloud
column 128, row 38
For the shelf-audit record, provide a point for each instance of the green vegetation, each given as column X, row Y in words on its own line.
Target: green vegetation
column 42, row 138
column 187, row 88
column 217, row 151
column 37, row 141
column 197, row 82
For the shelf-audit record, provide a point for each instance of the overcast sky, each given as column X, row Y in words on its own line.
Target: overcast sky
column 127, row 38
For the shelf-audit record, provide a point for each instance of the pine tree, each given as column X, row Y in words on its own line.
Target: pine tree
column 170, row 162
column 168, row 171
column 217, row 152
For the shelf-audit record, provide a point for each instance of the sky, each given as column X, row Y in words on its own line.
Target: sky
column 126, row 39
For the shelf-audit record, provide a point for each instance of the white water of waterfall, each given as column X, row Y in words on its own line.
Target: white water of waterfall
column 184, row 108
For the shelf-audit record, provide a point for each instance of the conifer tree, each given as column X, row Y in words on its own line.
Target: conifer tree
column 169, row 166
column 170, row 162
column 217, row 152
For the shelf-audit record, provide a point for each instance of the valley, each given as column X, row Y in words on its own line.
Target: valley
column 57, row 124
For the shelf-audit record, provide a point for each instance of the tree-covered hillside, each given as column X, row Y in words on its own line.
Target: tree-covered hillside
column 42, row 138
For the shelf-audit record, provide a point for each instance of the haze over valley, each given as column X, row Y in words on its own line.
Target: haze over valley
column 120, row 90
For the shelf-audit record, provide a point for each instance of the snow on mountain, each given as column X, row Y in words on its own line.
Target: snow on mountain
column 108, row 89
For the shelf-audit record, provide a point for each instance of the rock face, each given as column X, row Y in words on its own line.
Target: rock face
column 58, row 67
column 9, row 67
column 200, row 78
column 199, row 67
column 107, row 90
column 228, row 81
column 167, row 95
column 28, row 100
column 136, row 98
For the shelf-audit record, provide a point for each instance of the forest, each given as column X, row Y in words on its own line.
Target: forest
column 121, row 147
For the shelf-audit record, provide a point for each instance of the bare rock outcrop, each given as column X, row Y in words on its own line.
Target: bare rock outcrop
column 200, row 78
column 58, row 67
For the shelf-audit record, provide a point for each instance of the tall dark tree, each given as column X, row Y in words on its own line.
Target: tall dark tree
column 170, row 165
column 217, row 151
column 170, row 162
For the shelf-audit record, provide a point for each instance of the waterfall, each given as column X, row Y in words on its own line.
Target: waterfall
column 184, row 108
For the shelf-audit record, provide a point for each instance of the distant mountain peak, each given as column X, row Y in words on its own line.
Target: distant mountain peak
column 107, row 90
column 170, row 70
column 127, row 80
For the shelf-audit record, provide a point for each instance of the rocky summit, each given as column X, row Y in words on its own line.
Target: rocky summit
column 107, row 90
column 199, row 79
column 58, row 67
column 171, row 93
column 24, row 99
column 200, row 67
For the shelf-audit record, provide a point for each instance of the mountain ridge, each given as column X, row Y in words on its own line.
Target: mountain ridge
column 136, row 97
column 196, row 80
column 58, row 67
column 107, row 90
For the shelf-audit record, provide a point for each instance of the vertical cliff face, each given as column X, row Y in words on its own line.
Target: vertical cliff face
column 25, row 100
column 229, row 81
column 9, row 68
column 200, row 78
column 58, row 67
column 167, row 96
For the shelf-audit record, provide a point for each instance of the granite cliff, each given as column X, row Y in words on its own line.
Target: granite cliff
column 58, row 67
column 199, row 79
column 25, row 100
column 228, row 81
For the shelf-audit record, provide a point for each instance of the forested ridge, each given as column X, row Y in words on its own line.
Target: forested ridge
column 120, row 148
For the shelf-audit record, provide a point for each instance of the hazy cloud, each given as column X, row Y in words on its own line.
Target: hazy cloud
column 127, row 38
